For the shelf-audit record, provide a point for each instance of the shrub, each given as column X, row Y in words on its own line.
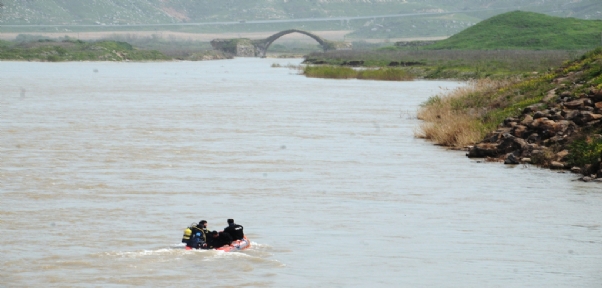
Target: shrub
column 585, row 151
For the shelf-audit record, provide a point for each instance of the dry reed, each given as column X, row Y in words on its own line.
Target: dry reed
column 451, row 120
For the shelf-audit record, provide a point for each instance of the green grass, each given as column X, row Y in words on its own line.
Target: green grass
column 526, row 30
column 451, row 64
column 76, row 50
column 337, row 72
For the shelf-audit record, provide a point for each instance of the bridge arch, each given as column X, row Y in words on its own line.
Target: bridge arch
column 263, row 45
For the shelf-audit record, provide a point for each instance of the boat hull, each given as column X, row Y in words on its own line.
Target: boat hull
column 236, row 245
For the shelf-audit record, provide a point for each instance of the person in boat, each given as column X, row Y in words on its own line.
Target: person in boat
column 219, row 239
column 235, row 230
column 199, row 235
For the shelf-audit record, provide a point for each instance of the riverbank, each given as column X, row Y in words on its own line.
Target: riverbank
column 552, row 120
column 68, row 49
column 449, row 64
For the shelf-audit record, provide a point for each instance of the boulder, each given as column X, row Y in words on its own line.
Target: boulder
column 539, row 114
column 511, row 144
column 582, row 117
column 533, row 138
column 575, row 104
column 532, row 108
column 571, row 114
column 509, row 120
column 598, row 105
column 558, row 139
column 576, row 170
column 519, row 131
column 528, row 120
column 510, row 159
column 482, row 150
column 561, row 156
column 598, row 95
column 525, row 160
column 556, row 117
column 556, row 165
column 586, row 178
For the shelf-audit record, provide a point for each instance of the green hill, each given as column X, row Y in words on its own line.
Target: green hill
column 416, row 18
column 526, row 30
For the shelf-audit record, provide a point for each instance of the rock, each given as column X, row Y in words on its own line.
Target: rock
column 509, row 120
column 598, row 95
column 586, row 178
column 565, row 94
column 528, row 120
column 558, row 139
column 561, row 156
column 583, row 117
column 576, row 170
column 556, row 165
column 571, row 114
column 592, row 123
column 511, row 144
column 533, row 138
column 598, row 105
column 510, row 159
column 538, row 114
column 557, row 117
column 525, row 160
column 519, row 131
column 551, row 95
column 575, row 104
column 532, row 108
column 482, row 150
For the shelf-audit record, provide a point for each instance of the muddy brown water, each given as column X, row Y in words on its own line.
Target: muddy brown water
column 102, row 165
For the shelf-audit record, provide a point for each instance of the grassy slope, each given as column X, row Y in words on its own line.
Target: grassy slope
column 76, row 50
column 526, row 30
column 482, row 109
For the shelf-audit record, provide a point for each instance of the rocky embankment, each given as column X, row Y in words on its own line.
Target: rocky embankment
column 543, row 133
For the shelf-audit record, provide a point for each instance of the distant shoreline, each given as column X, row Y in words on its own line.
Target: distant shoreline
column 338, row 35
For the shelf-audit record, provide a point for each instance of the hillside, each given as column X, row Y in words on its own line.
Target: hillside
column 552, row 120
column 526, row 30
column 109, row 13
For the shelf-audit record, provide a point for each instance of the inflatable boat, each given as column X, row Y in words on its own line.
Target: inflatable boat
column 236, row 245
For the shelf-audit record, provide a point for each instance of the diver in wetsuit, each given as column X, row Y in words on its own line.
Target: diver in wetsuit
column 219, row 239
column 235, row 230
column 200, row 234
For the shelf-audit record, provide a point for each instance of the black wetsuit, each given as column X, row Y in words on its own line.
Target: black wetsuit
column 222, row 239
column 236, row 231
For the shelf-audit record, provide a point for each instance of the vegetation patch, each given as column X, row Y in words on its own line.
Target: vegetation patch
column 450, row 64
column 553, row 119
column 75, row 50
column 337, row 72
column 526, row 30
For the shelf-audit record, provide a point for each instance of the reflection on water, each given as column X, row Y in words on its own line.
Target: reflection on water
column 104, row 164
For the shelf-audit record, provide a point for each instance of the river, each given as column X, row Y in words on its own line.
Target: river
column 102, row 166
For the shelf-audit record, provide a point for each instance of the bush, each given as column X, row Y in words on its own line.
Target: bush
column 585, row 151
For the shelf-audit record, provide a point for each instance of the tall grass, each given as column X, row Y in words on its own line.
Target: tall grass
column 455, row 118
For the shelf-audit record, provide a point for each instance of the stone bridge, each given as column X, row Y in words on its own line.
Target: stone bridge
column 243, row 47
